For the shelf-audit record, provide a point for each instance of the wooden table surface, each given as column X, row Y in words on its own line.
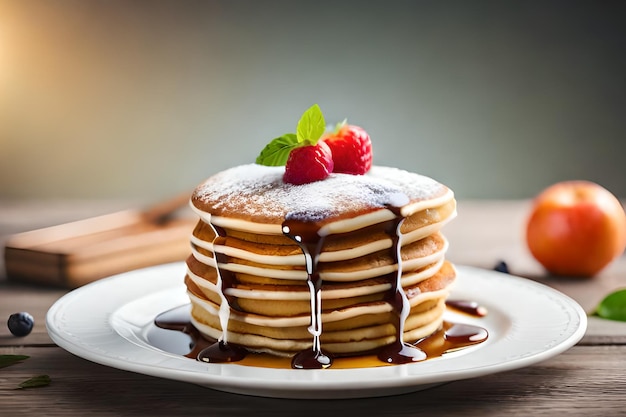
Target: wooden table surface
column 588, row 379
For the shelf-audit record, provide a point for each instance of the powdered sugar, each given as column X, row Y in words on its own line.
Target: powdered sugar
column 257, row 191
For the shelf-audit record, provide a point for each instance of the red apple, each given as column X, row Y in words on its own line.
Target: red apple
column 576, row 228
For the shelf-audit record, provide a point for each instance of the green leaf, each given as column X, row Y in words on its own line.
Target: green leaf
column 277, row 151
column 310, row 129
column 613, row 307
column 8, row 360
column 36, row 381
column 311, row 125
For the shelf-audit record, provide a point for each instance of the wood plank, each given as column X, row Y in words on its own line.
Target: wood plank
column 76, row 253
column 21, row 216
column 586, row 380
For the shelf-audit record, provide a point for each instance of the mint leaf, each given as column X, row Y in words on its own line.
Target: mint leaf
column 36, row 381
column 613, row 307
column 8, row 360
column 277, row 151
column 310, row 129
column 311, row 125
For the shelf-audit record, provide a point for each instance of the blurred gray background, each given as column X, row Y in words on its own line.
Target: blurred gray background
column 144, row 99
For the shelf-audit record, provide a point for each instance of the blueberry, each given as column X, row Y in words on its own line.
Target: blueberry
column 502, row 267
column 20, row 324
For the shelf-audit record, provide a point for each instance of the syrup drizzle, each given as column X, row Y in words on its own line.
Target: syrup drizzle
column 306, row 235
column 451, row 337
column 221, row 350
column 468, row 307
column 399, row 351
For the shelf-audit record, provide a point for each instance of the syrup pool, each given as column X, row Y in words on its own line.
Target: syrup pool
column 173, row 333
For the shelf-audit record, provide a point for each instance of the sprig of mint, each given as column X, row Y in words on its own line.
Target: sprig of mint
column 277, row 151
column 309, row 130
column 613, row 306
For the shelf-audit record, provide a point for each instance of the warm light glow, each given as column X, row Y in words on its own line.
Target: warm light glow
column 172, row 92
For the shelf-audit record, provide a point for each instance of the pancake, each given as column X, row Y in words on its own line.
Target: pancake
column 348, row 265
column 255, row 199
column 363, row 324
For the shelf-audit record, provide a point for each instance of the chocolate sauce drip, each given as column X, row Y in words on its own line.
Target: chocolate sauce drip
column 174, row 319
column 221, row 350
column 468, row 307
column 179, row 320
column 465, row 334
column 306, row 235
column 399, row 351
column 450, row 337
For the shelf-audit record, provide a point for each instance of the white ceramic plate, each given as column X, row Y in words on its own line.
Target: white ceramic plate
column 111, row 322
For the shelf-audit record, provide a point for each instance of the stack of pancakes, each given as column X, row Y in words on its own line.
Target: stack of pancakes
column 247, row 280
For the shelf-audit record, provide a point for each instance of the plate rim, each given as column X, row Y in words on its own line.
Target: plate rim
column 328, row 383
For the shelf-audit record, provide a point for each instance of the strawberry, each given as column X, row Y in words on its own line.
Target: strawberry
column 308, row 163
column 311, row 155
column 351, row 148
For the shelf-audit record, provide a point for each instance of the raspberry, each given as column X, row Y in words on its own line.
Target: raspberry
column 352, row 150
column 308, row 163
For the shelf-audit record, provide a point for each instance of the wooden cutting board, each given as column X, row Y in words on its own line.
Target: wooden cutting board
column 76, row 253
